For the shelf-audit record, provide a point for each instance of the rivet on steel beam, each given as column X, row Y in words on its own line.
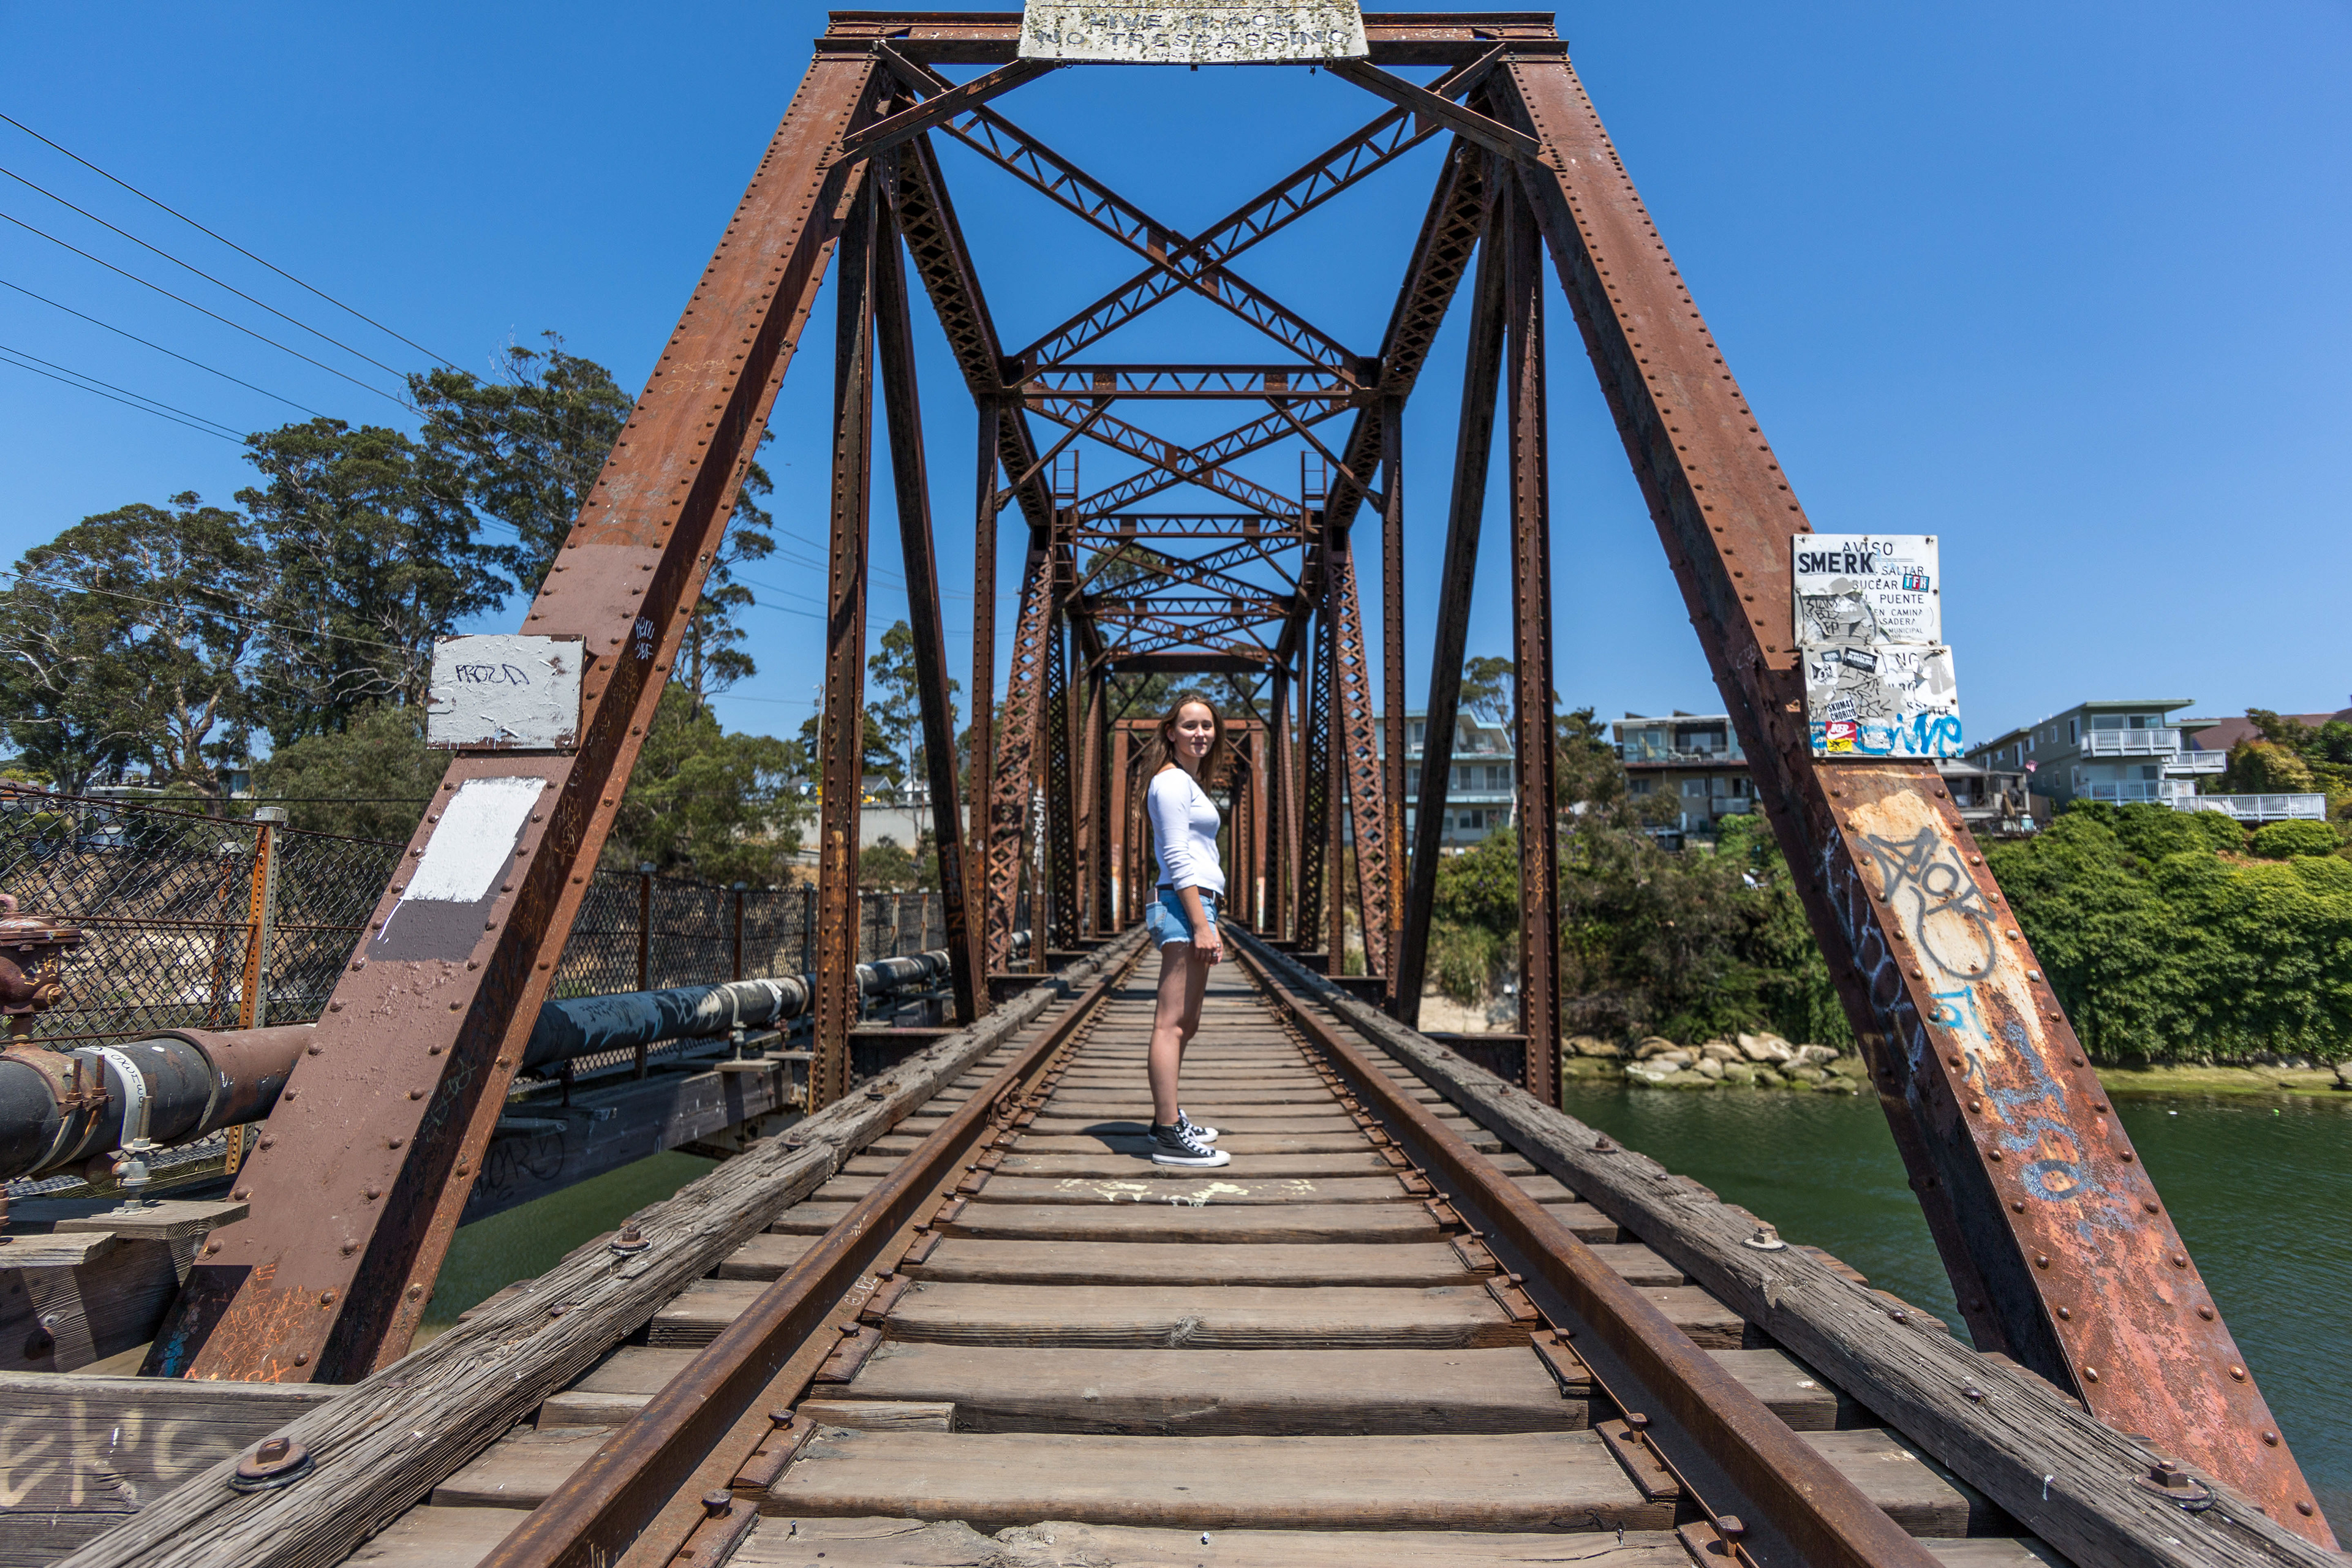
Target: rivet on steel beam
column 2270, row 1439
column 2238, row 1372
column 2091, row 1373
column 242, row 1194
column 716, row 1503
column 2066, row 1313
column 2041, row 1261
column 2205, row 1313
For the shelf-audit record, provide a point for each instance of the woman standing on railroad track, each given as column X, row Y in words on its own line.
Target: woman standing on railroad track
column 1186, row 749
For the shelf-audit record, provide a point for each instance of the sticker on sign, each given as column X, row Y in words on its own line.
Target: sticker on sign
column 1192, row 32
column 1866, row 588
column 1892, row 700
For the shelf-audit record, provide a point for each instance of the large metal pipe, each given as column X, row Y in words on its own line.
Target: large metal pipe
column 58, row 1109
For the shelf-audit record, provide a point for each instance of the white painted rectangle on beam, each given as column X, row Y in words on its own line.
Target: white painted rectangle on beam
column 505, row 692
column 1192, row 32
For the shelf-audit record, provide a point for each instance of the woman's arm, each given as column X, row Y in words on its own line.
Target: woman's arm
column 1206, row 940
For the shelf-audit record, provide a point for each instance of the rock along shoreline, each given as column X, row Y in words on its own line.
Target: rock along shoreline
column 1762, row 1061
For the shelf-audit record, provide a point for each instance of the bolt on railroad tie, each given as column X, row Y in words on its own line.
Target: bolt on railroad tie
column 1766, row 1240
column 630, row 1242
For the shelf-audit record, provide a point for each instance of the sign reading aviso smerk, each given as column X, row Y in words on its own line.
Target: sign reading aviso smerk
column 1870, row 625
column 1867, row 588
column 1192, row 32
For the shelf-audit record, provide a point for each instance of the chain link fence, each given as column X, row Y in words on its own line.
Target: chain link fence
column 224, row 922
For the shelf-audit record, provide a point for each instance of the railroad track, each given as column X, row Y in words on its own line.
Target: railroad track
column 1001, row 1336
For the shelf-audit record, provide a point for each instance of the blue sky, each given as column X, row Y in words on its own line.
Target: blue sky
column 2060, row 284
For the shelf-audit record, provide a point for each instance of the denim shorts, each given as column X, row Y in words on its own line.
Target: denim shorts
column 1166, row 919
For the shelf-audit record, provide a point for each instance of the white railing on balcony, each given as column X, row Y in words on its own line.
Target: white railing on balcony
column 2259, row 808
column 2191, row 763
column 2128, row 791
column 2131, row 743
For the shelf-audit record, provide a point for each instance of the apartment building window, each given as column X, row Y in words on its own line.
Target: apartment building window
column 1694, row 789
column 2074, row 731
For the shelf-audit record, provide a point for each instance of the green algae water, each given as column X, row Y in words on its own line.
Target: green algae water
column 2260, row 1186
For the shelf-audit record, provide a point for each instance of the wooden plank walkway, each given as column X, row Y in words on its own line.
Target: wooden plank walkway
column 1103, row 1361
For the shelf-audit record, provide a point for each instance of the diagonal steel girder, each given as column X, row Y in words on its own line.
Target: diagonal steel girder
column 1192, row 465
column 1199, row 572
column 1319, row 179
column 1177, row 463
column 1127, row 527
column 2061, row 1251
column 1033, row 163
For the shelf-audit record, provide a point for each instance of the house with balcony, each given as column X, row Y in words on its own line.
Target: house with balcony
column 1695, row 759
column 1479, row 792
column 2128, row 752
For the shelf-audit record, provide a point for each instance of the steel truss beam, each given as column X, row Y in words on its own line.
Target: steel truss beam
column 1018, row 743
column 1256, row 382
column 1033, row 163
column 1282, row 529
column 841, row 728
column 1060, row 925
column 1356, row 740
column 1317, row 181
column 372, row 1151
column 2060, row 1250
column 896, row 350
column 1474, row 443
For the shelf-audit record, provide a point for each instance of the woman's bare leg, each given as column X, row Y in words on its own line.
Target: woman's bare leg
column 1183, row 978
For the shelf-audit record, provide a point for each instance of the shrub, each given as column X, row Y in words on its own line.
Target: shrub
column 2284, row 840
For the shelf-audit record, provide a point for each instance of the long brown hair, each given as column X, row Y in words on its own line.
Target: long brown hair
column 1159, row 748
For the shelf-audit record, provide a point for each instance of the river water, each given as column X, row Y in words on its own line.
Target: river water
column 2260, row 1187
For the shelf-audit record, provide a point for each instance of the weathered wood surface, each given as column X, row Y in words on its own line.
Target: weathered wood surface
column 1287, row 1223
column 1228, row 1317
column 973, row 1261
column 520, row 1468
column 1916, row 1493
column 164, row 1220
column 384, row 1443
column 79, row 1454
column 1524, row 1482
column 881, row 1415
column 1245, row 1185
column 1208, row 1393
column 1063, row 1543
column 2004, row 1442
column 57, row 1317
column 1790, row 1389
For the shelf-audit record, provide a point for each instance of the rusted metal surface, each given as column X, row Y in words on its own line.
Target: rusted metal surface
column 33, row 950
column 1737, row 1456
column 1018, row 741
column 1357, row 740
column 1392, row 697
column 1534, row 749
column 376, row 1144
column 2059, row 1247
column 841, row 726
column 896, row 351
column 1473, row 447
column 600, row 1510
column 1061, row 924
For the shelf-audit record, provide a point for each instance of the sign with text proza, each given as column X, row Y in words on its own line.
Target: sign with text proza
column 1870, row 625
column 1866, row 588
column 505, row 692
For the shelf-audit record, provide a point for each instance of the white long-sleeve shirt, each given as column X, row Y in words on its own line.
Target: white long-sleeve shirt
column 1184, row 832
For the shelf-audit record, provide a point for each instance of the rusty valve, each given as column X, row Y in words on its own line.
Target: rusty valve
column 33, row 949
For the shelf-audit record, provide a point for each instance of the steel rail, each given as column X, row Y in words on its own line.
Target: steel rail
column 1770, row 1494
column 603, row 1507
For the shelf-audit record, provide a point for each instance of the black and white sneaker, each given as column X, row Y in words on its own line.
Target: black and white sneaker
column 1176, row 1146
column 1205, row 1134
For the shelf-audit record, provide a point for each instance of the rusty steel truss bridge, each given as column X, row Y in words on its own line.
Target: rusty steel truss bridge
column 2061, row 1253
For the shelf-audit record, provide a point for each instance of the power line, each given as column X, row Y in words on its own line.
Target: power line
column 201, row 273
column 233, row 245
column 216, row 315
column 159, row 348
column 229, row 430
column 176, row 416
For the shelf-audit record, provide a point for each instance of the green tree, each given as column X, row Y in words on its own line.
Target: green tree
column 899, row 711
column 879, row 759
column 128, row 640
column 2284, row 840
column 886, row 867
column 369, row 780
column 368, row 567
column 524, row 448
column 708, row 804
column 1487, row 688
